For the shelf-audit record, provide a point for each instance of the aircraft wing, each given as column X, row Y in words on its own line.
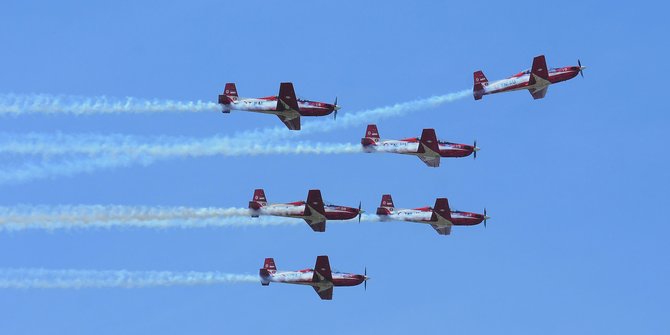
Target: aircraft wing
column 317, row 226
column 432, row 161
column 441, row 212
column 442, row 230
column 287, row 98
column 538, row 94
column 324, row 293
column 322, row 270
column 539, row 71
column 292, row 123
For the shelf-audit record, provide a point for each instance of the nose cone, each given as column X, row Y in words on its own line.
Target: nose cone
column 361, row 278
column 336, row 107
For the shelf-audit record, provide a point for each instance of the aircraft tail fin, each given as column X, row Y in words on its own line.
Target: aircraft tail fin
column 268, row 269
column 371, row 136
column 386, row 206
column 257, row 202
column 480, row 82
column 229, row 94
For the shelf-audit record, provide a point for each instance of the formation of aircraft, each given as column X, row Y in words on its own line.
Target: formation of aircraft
column 441, row 217
column 314, row 211
column 536, row 80
column 427, row 147
column 321, row 278
column 286, row 105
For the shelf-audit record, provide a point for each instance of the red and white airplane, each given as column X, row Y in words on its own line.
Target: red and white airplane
column 321, row 278
column 428, row 148
column 286, row 105
column 440, row 217
column 536, row 80
column 313, row 211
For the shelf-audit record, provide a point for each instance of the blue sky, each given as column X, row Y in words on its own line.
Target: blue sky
column 576, row 183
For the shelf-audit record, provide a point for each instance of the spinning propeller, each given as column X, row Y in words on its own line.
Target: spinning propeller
column 581, row 68
column 335, row 108
column 474, row 150
column 360, row 212
column 485, row 217
column 365, row 279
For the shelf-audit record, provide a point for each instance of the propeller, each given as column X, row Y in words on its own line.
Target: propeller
column 360, row 212
column 474, row 150
column 485, row 217
column 365, row 279
column 580, row 68
column 335, row 109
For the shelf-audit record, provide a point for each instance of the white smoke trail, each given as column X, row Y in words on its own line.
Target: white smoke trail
column 48, row 145
column 97, row 216
column 239, row 144
column 22, row 104
column 65, row 168
column 107, row 155
column 79, row 279
column 359, row 118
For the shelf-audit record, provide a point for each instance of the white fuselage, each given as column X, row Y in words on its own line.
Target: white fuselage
column 509, row 84
column 253, row 105
column 396, row 146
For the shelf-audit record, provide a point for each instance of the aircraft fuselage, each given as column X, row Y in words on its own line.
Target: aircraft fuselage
column 268, row 105
column 424, row 215
column 521, row 81
column 297, row 210
column 411, row 147
column 305, row 277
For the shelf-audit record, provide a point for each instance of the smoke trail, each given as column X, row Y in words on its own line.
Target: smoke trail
column 48, row 145
column 48, row 169
column 97, row 216
column 22, row 104
column 108, row 155
column 78, row 279
column 359, row 118
column 241, row 143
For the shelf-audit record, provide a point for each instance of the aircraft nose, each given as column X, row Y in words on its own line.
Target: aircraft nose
column 336, row 107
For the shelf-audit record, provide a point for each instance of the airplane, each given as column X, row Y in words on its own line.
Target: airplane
column 536, row 80
column 321, row 278
column 286, row 105
column 440, row 217
column 313, row 211
column 428, row 148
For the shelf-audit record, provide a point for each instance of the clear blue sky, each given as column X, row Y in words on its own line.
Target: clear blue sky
column 576, row 183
